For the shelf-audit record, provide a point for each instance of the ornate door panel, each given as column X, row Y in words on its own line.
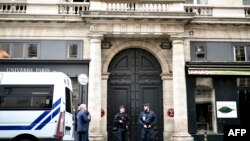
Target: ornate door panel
column 135, row 80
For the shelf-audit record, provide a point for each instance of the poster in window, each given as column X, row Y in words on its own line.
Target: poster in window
column 226, row 109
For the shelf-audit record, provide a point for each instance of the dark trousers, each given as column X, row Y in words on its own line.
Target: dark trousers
column 121, row 134
column 83, row 136
column 147, row 134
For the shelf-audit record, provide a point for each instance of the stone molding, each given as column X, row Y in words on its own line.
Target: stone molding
column 167, row 76
column 156, row 51
column 105, row 76
column 139, row 28
column 95, row 38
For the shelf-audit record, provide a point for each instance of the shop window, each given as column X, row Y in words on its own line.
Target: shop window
column 240, row 53
column 73, row 51
column 200, row 52
column 243, row 82
column 76, row 93
column 243, row 89
column 4, row 50
column 205, row 113
column 32, row 50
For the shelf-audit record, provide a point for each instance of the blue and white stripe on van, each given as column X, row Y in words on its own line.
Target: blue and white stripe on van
column 41, row 121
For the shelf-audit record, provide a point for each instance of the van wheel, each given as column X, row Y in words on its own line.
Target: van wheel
column 25, row 139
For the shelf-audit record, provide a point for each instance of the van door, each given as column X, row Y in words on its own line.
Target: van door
column 69, row 122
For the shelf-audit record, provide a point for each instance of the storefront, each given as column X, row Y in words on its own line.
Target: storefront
column 218, row 94
column 72, row 68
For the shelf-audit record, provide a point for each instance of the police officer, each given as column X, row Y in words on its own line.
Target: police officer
column 147, row 120
column 121, row 121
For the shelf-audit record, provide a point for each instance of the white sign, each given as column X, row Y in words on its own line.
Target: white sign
column 83, row 79
column 226, row 109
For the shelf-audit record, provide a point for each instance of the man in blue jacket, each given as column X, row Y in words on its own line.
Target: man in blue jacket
column 147, row 120
column 83, row 119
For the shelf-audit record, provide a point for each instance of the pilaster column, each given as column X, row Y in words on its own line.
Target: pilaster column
column 95, row 84
column 167, row 82
column 179, row 92
column 105, row 77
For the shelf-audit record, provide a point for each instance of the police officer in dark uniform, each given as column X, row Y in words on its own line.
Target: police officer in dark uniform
column 121, row 121
column 147, row 120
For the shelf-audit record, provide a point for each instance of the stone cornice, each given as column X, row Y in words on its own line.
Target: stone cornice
column 97, row 36
column 221, row 20
column 132, row 28
column 39, row 18
column 136, row 15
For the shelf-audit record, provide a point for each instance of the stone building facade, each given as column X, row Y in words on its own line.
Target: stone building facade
column 190, row 40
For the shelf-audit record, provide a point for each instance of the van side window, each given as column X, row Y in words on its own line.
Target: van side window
column 26, row 97
column 68, row 100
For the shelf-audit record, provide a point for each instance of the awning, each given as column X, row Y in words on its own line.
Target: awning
column 218, row 68
column 217, row 72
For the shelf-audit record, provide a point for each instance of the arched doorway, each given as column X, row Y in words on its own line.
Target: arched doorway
column 135, row 79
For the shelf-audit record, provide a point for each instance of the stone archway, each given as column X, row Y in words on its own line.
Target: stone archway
column 135, row 79
column 162, row 58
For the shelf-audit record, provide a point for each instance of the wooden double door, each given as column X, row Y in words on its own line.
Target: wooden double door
column 135, row 79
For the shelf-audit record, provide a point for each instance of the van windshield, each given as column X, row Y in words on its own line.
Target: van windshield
column 26, row 97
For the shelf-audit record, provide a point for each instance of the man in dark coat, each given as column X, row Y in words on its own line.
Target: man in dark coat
column 77, row 110
column 147, row 120
column 83, row 119
column 121, row 121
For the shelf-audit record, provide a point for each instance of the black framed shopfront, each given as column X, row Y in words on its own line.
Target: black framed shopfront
column 72, row 68
column 210, row 84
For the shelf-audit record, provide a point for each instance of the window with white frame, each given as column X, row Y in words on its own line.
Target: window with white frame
column 242, row 53
column 32, row 49
column 73, row 51
column 200, row 51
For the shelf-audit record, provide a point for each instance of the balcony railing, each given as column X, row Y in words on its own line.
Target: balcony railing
column 73, row 8
column 138, row 6
column 199, row 10
column 15, row 7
